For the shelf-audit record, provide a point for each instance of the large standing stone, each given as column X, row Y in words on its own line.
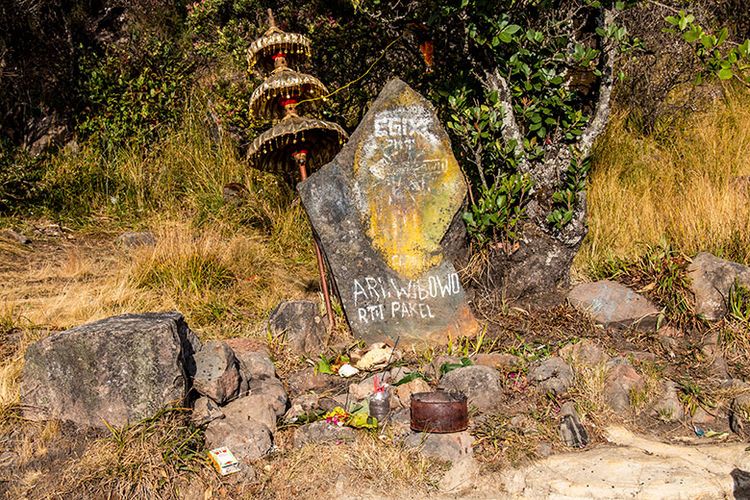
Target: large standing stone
column 381, row 209
column 711, row 279
column 120, row 369
column 613, row 304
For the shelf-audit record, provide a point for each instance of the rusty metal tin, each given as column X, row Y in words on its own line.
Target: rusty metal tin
column 439, row 412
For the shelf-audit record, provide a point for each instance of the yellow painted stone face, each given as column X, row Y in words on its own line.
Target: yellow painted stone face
column 409, row 183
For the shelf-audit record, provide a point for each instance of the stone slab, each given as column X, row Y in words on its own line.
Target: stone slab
column 382, row 209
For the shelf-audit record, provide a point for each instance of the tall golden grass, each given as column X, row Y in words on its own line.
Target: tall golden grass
column 686, row 186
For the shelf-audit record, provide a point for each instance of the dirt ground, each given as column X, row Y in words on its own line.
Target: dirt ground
column 56, row 282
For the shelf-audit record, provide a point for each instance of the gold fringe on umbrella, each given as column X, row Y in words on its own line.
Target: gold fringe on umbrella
column 294, row 46
column 272, row 150
column 286, row 84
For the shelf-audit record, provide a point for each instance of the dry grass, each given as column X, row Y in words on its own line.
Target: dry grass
column 366, row 468
column 685, row 187
column 147, row 460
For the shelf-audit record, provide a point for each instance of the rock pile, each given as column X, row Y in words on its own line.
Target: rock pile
column 125, row 368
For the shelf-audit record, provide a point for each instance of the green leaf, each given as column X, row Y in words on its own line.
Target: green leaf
column 725, row 74
column 408, row 378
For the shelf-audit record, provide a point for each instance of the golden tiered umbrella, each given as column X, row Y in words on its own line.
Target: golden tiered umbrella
column 274, row 149
column 294, row 143
column 282, row 85
column 263, row 51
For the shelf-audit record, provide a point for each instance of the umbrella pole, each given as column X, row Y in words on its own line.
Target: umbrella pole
column 321, row 265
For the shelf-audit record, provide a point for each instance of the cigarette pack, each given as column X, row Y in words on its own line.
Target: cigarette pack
column 224, row 461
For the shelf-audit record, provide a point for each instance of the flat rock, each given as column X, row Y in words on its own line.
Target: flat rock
column 382, row 208
column 586, row 352
column 248, row 439
column 257, row 407
column 711, row 279
column 450, row 447
column 480, row 384
column 632, row 467
column 552, row 375
column 322, row 432
column 613, row 304
column 306, row 380
column 118, row 370
column 301, row 325
column 216, row 372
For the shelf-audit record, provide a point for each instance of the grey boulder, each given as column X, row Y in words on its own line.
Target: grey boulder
column 480, row 384
column 711, row 280
column 118, row 370
column 613, row 304
column 552, row 375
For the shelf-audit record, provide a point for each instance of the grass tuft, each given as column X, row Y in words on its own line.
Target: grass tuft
column 688, row 186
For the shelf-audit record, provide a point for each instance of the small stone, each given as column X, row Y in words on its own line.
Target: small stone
column 307, row 380
column 498, row 361
column 711, row 279
column 15, row 235
column 216, row 374
column 404, row 391
column 253, row 358
column 257, row 407
column 347, row 371
column 669, row 408
column 301, row 325
column 132, row 239
column 247, row 439
column 586, row 352
column 322, row 432
column 739, row 413
column 205, row 410
column 302, row 406
column 641, row 356
column 480, row 384
column 615, row 305
column 553, row 375
column 572, row 431
column 544, row 449
column 450, row 447
column 621, row 380
column 702, row 417
column 362, row 390
column 273, row 393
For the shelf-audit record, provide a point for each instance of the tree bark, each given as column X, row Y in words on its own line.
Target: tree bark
column 537, row 271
